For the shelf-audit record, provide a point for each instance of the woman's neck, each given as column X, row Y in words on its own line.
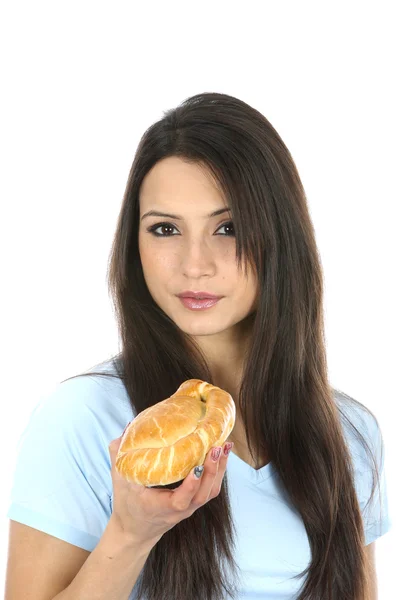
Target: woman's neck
column 226, row 354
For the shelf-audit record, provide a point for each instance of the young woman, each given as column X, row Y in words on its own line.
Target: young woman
column 214, row 207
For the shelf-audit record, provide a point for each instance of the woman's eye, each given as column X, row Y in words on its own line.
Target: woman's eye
column 228, row 225
column 166, row 229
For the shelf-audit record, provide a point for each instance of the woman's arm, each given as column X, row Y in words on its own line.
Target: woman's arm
column 370, row 552
column 43, row 567
column 111, row 570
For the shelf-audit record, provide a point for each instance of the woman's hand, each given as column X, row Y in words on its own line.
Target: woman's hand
column 145, row 514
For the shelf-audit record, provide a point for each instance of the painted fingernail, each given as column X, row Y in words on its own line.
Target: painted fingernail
column 215, row 453
column 198, row 471
column 228, row 448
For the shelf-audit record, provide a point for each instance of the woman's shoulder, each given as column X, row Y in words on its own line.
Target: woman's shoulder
column 366, row 444
column 62, row 480
column 100, row 389
column 84, row 406
column 360, row 427
column 73, row 423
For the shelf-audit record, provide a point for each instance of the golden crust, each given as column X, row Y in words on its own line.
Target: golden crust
column 165, row 441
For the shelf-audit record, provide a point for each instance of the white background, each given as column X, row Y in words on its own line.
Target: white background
column 81, row 81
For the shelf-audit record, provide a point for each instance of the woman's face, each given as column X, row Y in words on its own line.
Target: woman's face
column 194, row 251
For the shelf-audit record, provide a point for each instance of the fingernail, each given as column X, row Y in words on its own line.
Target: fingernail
column 122, row 435
column 228, row 448
column 215, row 453
column 198, row 471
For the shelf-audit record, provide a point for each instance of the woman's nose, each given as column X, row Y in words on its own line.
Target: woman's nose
column 197, row 259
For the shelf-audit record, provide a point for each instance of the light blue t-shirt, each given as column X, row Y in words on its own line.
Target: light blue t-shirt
column 62, row 485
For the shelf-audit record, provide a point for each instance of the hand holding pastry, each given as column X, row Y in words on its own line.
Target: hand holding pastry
column 164, row 444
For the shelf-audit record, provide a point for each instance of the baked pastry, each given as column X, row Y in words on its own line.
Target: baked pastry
column 165, row 441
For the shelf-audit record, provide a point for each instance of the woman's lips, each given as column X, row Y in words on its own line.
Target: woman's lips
column 195, row 304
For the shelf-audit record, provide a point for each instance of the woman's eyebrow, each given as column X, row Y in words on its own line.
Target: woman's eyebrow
column 155, row 213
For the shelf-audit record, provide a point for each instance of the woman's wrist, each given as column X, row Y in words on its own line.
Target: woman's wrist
column 116, row 535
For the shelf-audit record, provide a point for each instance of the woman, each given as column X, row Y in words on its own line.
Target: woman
column 214, row 206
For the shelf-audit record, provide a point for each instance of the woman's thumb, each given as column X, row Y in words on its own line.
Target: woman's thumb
column 113, row 449
column 114, row 445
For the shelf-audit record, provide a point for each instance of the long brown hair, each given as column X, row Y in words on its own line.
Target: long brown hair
column 286, row 402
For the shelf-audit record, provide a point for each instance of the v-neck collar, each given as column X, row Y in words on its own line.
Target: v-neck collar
column 256, row 476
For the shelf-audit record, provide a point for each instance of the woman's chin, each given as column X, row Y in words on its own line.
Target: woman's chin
column 197, row 329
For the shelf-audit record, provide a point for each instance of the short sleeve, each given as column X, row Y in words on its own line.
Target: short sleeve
column 62, row 481
column 375, row 512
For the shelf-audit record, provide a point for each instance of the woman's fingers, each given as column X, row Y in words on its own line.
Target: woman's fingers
column 148, row 513
column 211, row 488
column 190, row 495
column 193, row 492
column 223, row 461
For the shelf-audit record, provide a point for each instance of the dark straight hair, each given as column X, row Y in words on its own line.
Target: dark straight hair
column 287, row 405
